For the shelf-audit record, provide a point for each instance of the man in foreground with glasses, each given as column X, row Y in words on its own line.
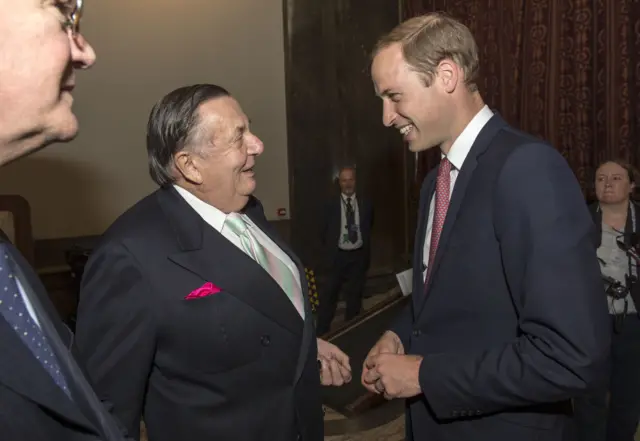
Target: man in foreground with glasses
column 43, row 393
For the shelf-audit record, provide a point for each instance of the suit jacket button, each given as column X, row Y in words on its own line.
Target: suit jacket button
column 417, row 333
column 454, row 413
column 266, row 341
column 478, row 412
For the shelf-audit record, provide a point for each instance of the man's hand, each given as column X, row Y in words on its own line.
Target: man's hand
column 389, row 343
column 335, row 368
column 394, row 375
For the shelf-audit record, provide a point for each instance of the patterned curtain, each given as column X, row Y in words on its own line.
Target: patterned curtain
column 567, row 71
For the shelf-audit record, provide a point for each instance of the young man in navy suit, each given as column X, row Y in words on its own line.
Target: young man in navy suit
column 508, row 320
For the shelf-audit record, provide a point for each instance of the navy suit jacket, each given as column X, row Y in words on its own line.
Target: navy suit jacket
column 32, row 406
column 514, row 321
column 237, row 365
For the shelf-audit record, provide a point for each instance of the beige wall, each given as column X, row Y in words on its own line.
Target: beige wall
column 145, row 49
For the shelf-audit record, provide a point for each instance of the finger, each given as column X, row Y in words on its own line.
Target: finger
column 385, row 347
column 345, row 373
column 363, row 380
column 336, row 375
column 370, row 361
column 374, row 350
column 390, row 395
column 326, row 378
column 342, row 373
column 379, row 387
column 341, row 357
column 387, row 391
column 371, row 376
column 371, row 388
column 325, row 372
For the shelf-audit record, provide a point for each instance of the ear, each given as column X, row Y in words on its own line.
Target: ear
column 188, row 166
column 448, row 75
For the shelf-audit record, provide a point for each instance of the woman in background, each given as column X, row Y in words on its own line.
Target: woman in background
column 611, row 412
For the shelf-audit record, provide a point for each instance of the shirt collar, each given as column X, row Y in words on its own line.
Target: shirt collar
column 207, row 212
column 344, row 196
column 463, row 143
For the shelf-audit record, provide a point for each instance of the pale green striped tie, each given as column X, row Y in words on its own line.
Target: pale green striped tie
column 274, row 266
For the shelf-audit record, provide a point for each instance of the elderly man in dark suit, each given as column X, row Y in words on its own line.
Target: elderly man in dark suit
column 193, row 313
column 346, row 239
column 508, row 321
column 44, row 395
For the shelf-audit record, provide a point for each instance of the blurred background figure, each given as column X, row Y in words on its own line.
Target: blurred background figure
column 611, row 412
column 346, row 239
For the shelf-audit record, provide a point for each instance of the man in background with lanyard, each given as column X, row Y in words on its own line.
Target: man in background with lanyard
column 346, row 237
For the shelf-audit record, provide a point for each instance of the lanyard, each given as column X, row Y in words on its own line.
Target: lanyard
column 346, row 205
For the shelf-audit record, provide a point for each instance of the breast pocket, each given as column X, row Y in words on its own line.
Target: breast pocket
column 218, row 333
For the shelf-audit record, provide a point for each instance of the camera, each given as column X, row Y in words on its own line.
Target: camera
column 614, row 289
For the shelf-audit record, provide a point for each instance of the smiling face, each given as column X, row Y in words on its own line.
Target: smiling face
column 425, row 70
column 39, row 57
column 419, row 112
column 219, row 164
column 613, row 185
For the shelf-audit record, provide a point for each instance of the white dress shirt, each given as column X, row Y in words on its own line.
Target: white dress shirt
column 457, row 154
column 342, row 243
column 216, row 218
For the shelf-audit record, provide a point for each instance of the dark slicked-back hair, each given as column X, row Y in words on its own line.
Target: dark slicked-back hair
column 173, row 125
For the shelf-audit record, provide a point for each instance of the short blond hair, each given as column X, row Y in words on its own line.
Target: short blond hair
column 428, row 39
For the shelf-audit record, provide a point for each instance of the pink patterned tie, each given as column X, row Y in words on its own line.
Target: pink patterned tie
column 443, row 191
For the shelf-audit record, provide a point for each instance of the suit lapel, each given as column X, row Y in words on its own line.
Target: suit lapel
column 421, row 235
column 207, row 253
column 308, row 327
column 465, row 174
column 38, row 291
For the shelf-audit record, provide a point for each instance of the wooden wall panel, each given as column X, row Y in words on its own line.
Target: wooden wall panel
column 334, row 118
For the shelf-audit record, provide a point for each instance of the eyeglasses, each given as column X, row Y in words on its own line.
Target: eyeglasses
column 73, row 20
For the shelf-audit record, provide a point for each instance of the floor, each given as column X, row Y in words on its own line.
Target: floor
column 393, row 431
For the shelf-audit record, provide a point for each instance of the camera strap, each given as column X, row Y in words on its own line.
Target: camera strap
column 633, row 267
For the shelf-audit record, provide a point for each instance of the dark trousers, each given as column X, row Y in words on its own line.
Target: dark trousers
column 348, row 268
column 617, row 421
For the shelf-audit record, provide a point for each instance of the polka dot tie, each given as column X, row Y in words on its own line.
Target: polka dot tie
column 15, row 312
column 443, row 192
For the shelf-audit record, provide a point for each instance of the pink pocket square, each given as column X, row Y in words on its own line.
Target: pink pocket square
column 205, row 290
